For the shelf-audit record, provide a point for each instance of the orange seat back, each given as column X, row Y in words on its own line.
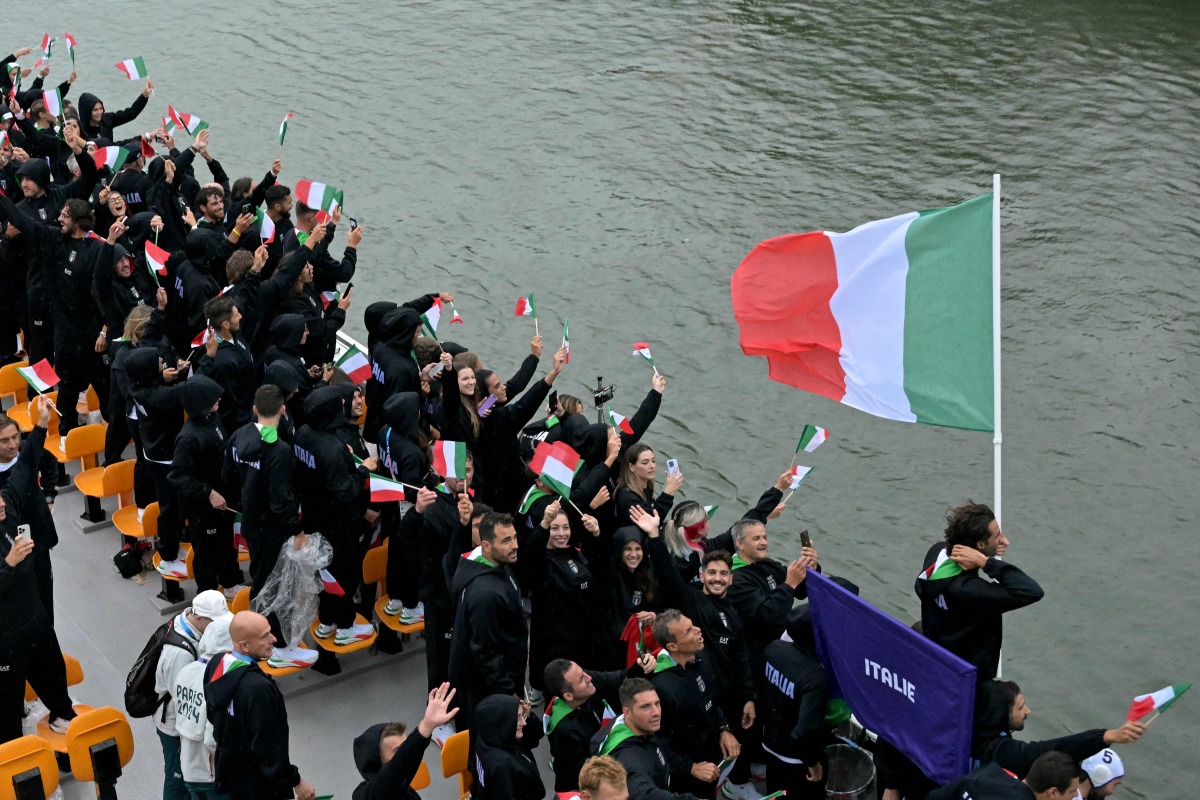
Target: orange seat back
column 84, row 442
column 421, row 779
column 241, row 601
column 375, row 565
column 22, row 755
column 93, row 400
column 93, row 728
column 11, row 382
column 117, row 481
column 150, row 521
column 454, row 760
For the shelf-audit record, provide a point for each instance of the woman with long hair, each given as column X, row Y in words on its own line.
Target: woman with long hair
column 638, row 470
column 686, row 530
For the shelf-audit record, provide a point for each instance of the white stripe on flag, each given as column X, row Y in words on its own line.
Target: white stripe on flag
column 868, row 305
column 558, row 471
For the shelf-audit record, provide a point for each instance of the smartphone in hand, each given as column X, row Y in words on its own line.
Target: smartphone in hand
column 23, row 532
column 805, row 539
column 486, row 405
column 672, row 466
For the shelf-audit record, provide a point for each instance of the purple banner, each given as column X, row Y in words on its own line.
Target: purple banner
column 899, row 684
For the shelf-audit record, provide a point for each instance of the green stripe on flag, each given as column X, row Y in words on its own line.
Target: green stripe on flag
column 948, row 316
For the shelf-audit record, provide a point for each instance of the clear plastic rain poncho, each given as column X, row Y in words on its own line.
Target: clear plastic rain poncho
column 291, row 592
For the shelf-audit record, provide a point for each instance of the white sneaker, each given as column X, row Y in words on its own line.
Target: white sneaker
column 232, row 592
column 758, row 773
column 535, row 696
column 355, row 633
column 173, row 569
column 739, row 791
column 141, row 512
column 62, row 444
column 393, row 608
column 411, row 615
column 292, row 657
column 324, row 631
column 443, row 732
column 59, row 725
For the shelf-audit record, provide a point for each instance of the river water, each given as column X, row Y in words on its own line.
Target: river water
column 621, row 160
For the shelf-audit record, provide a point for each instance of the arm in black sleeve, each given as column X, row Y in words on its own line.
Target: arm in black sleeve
column 766, row 504
column 1018, row 756
column 516, row 415
column 119, row 118
column 669, row 581
column 1011, row 589
column 421, row 304
column 337, row 271
column 640, row 421
column 523, row 376
column 48, row 477
column 271, row 293
column 24, row 473
column 102, row 289
column 535, row 558
column 82, row 186
column 259, row 194
column 219, row 176
column 663, row 504
column 183, row 475
column 392, row 781
column 585, row 490
column 460, row 542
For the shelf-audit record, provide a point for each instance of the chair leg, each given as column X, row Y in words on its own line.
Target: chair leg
column 93, row 512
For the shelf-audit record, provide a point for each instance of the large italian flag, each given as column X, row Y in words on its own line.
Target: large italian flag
column 893, row 318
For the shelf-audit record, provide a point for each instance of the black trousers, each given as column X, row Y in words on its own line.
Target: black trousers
column 43, row 573
column 439, row 626
column 404, row 559
column 265, row 548
column 349, row 548
column 79, row 368
column 39, row 335
column 793, row 778
column 32, row 655
column 214, row 561
column 170, row 525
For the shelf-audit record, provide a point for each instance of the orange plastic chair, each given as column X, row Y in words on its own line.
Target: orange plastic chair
column 115, row 480
column 95, row 728
column 27, row 754
column 126, row 521
column 241, row 600
column 454, row 761
column 74, row 677
column 82, row 444
column 185, row 549
column 25, row 413
column 375, row 571
column 11, row 383
column 421, row 779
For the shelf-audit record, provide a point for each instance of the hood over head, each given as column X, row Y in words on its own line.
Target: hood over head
column 141, row 366
column 119, row 252
column 87, row 102
column 202, row 246
column 37, row 171
column 156, row 170
column 374, row 315
column 398, row 326
column 402, row 412
column 366, row 751
column 992, row 711
column 590, row 440
column 138, row 229
column 287, row 330
column 216, row 638
column 496, row 722
column 623, row 536
column 325, row 408
column 199, row 394
column 283, row 375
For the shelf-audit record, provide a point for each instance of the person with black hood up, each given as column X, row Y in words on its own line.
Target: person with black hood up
column 96, row 123
column 633, row 595
column 965, row 588
column 158, row 400
column 259, row 470
column 120, row 283
column 388, row 757
column 289, row 381
column 322, row 323
column 390, row 344
column 228, row 361
column 334, row 503
column 504, row 739
column 288, row 334
column 196, row 283
column 491, row 639
column 197, row 478
column 402, row 456
column 132, row 183
column 44, row 203
column 1001, row 711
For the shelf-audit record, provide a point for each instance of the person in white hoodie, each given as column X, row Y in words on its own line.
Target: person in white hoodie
column 197, row 746
column 207, row 607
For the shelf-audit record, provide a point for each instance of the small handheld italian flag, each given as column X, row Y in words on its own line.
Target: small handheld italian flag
column 156, row 259
column 329, row 298
column 283, row 127
column 527, row 306
column 266, row 226
column 355, row 364
column 239, row 539
column 53, row 100
column 941, row 568
column 169, row 126
column 41, row 376
column 432, row 318
column 329, row 584
column 643, row 349
column 710, row 510
column 566, row 342
column 147, row 148
column 799, row 473
column 189, row 122
column 385, row 490
column 450, row 459
column 812, row 437
column 1158, row 701
column 617, row 421
column 47, row 50
column 111, row 157
column 69, row 40
column 320, row 196
column 134, row 68
column 558, row 468
column 202, row 337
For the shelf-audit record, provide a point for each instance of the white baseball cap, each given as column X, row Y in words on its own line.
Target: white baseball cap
column 1104, row 767
column 210, row 604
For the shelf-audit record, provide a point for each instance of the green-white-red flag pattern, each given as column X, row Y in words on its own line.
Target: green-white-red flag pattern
column 385, row 490
column 799, row 473
column 450, row 459
column 53, row 100
column 318, row 195
column 355, row 364
column 111, row 157
column 41, row 376
column 432, row 318
column 156, row 259
column 134, row 68
column 283, row 127
column 70, row 42
column 643, row 349
column 1161, row 700
column 812, row 437
column 189, row 122
column 566, row 342
column 527, row 306
column 617, row 421
column 941, row 568
column 558, row 468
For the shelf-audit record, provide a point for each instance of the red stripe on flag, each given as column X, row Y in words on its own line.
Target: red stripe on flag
column 781, row 294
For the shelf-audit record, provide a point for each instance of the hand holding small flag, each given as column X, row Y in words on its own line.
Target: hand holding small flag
column 643, row 349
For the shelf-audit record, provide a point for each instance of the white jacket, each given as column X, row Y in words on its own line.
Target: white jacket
column 197, row 747
column 170, row 661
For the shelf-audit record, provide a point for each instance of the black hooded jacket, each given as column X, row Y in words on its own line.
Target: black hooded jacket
column 20, row 605
column 498, row 461
column 648, row 764
column 259, row 476
column 388, row 781
column 792, row 696
column 199, row 448
column 992, row 782
column 117, row 296
column 194, row 285
column 964, row 613
column 286, row 332
column 504, row 765
column 109, row 119
column 400, row 453
column 991, row 740
column 159, row 406
column 393, row 365
column 490, row 646
column 629, row 592
column 570, row 736
column 763, row 599
column 332, row 488
column 566, row 602
column 250, row 725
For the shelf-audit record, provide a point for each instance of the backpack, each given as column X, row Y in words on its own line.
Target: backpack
column 141, row 700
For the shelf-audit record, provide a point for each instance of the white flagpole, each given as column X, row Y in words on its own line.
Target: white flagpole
column 998, row 437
